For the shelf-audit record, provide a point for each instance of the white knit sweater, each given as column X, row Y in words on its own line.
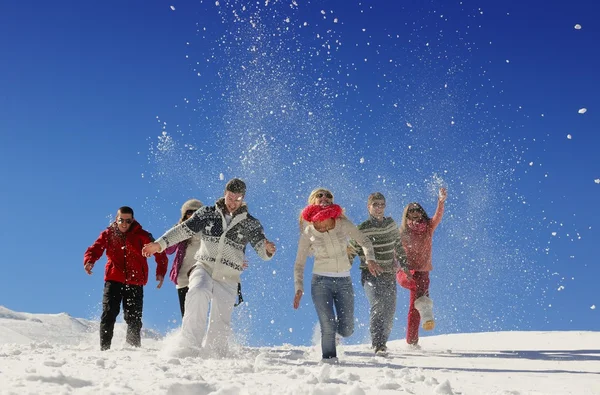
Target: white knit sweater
column 329, row 249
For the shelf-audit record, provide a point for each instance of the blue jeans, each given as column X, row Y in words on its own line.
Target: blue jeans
column 381, row 293
column 327, row 293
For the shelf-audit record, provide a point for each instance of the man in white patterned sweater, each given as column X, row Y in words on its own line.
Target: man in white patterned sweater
column 225, row 228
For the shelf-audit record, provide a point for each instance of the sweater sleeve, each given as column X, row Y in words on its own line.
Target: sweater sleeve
column 162, row 263
column 257, row 240
column 354, row 249
column 301, row 256
column 184, row 230
column 95, row 251
column 399, row 252
column 360, row 238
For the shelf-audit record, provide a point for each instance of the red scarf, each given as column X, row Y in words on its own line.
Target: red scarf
column 417, row 227
column 317, row 213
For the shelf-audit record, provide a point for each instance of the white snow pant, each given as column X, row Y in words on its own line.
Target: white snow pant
column 202, row 290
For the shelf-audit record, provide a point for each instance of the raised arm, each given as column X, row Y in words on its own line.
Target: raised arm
column 439, row 211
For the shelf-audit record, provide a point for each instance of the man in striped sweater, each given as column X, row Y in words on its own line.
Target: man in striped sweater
column 389, row 254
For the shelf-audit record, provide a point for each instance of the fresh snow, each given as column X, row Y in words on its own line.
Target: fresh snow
column 56, row 353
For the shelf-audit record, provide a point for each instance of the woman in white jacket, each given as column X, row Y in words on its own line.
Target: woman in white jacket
column 324, row 233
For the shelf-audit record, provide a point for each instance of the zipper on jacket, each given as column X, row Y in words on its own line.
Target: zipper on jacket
column 124, row 248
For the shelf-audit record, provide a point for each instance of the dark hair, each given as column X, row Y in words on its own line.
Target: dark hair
column 125, row 210
column 235, row 185
column 413, row 207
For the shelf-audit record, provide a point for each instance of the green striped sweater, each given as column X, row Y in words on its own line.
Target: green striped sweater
column 385, row 237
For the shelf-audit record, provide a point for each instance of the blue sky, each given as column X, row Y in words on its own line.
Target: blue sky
column 135, row 103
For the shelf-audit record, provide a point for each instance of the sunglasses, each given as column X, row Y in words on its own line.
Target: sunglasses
column 379, row 205
column 326, row 194
column 126, row 220
column 418, row 218
column 189, row 213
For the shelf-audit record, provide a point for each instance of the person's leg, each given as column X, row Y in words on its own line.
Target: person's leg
column 133, row 306
column 368, row 282
column 422, row 302
column 414, row 318
column 197, row 300
column 322, row 297
column 181, row 292
column 111, row 303
column 412, row 328
column 381, row 293
column 384, row 308
column 219, row 323
column 343, row 300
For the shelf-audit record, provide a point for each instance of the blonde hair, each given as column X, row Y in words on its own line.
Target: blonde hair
column 312, row 199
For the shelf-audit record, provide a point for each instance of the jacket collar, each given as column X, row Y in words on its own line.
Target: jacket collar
column 135, row 226
column 220, row 204
column 377, row 223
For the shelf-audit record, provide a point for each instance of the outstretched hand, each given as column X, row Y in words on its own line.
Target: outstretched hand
column 297, row 298
column 160, row 280
column 150, row 249
column 270, row 247
column 374, row 268
column 443, row 195
column 88, row 267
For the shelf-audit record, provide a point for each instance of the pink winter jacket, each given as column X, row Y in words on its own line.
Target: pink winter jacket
column 418, row 245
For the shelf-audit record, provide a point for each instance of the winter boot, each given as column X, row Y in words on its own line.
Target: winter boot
column 381, row 350
column 424, row 306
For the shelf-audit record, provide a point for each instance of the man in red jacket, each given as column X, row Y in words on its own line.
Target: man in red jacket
column 125, row 274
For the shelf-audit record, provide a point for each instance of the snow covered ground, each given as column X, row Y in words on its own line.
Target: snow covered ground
column 59, row 354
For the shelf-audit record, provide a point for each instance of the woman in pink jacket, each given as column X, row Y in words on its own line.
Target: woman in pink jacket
column 185, row 254
column 416, row 230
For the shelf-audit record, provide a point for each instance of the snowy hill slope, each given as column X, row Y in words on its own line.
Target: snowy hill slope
column 25, row 328
column 55, row 353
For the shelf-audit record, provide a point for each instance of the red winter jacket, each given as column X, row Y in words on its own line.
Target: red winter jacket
column 126, row 264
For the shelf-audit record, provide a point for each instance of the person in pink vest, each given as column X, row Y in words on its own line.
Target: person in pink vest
column 185, row 252
column 416, row 232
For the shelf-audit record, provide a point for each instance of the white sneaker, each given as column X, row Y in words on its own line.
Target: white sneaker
column 424, row 306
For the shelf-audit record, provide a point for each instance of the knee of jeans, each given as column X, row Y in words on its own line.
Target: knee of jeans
column 328, row 328
column 132, row 319
column 346, row 330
